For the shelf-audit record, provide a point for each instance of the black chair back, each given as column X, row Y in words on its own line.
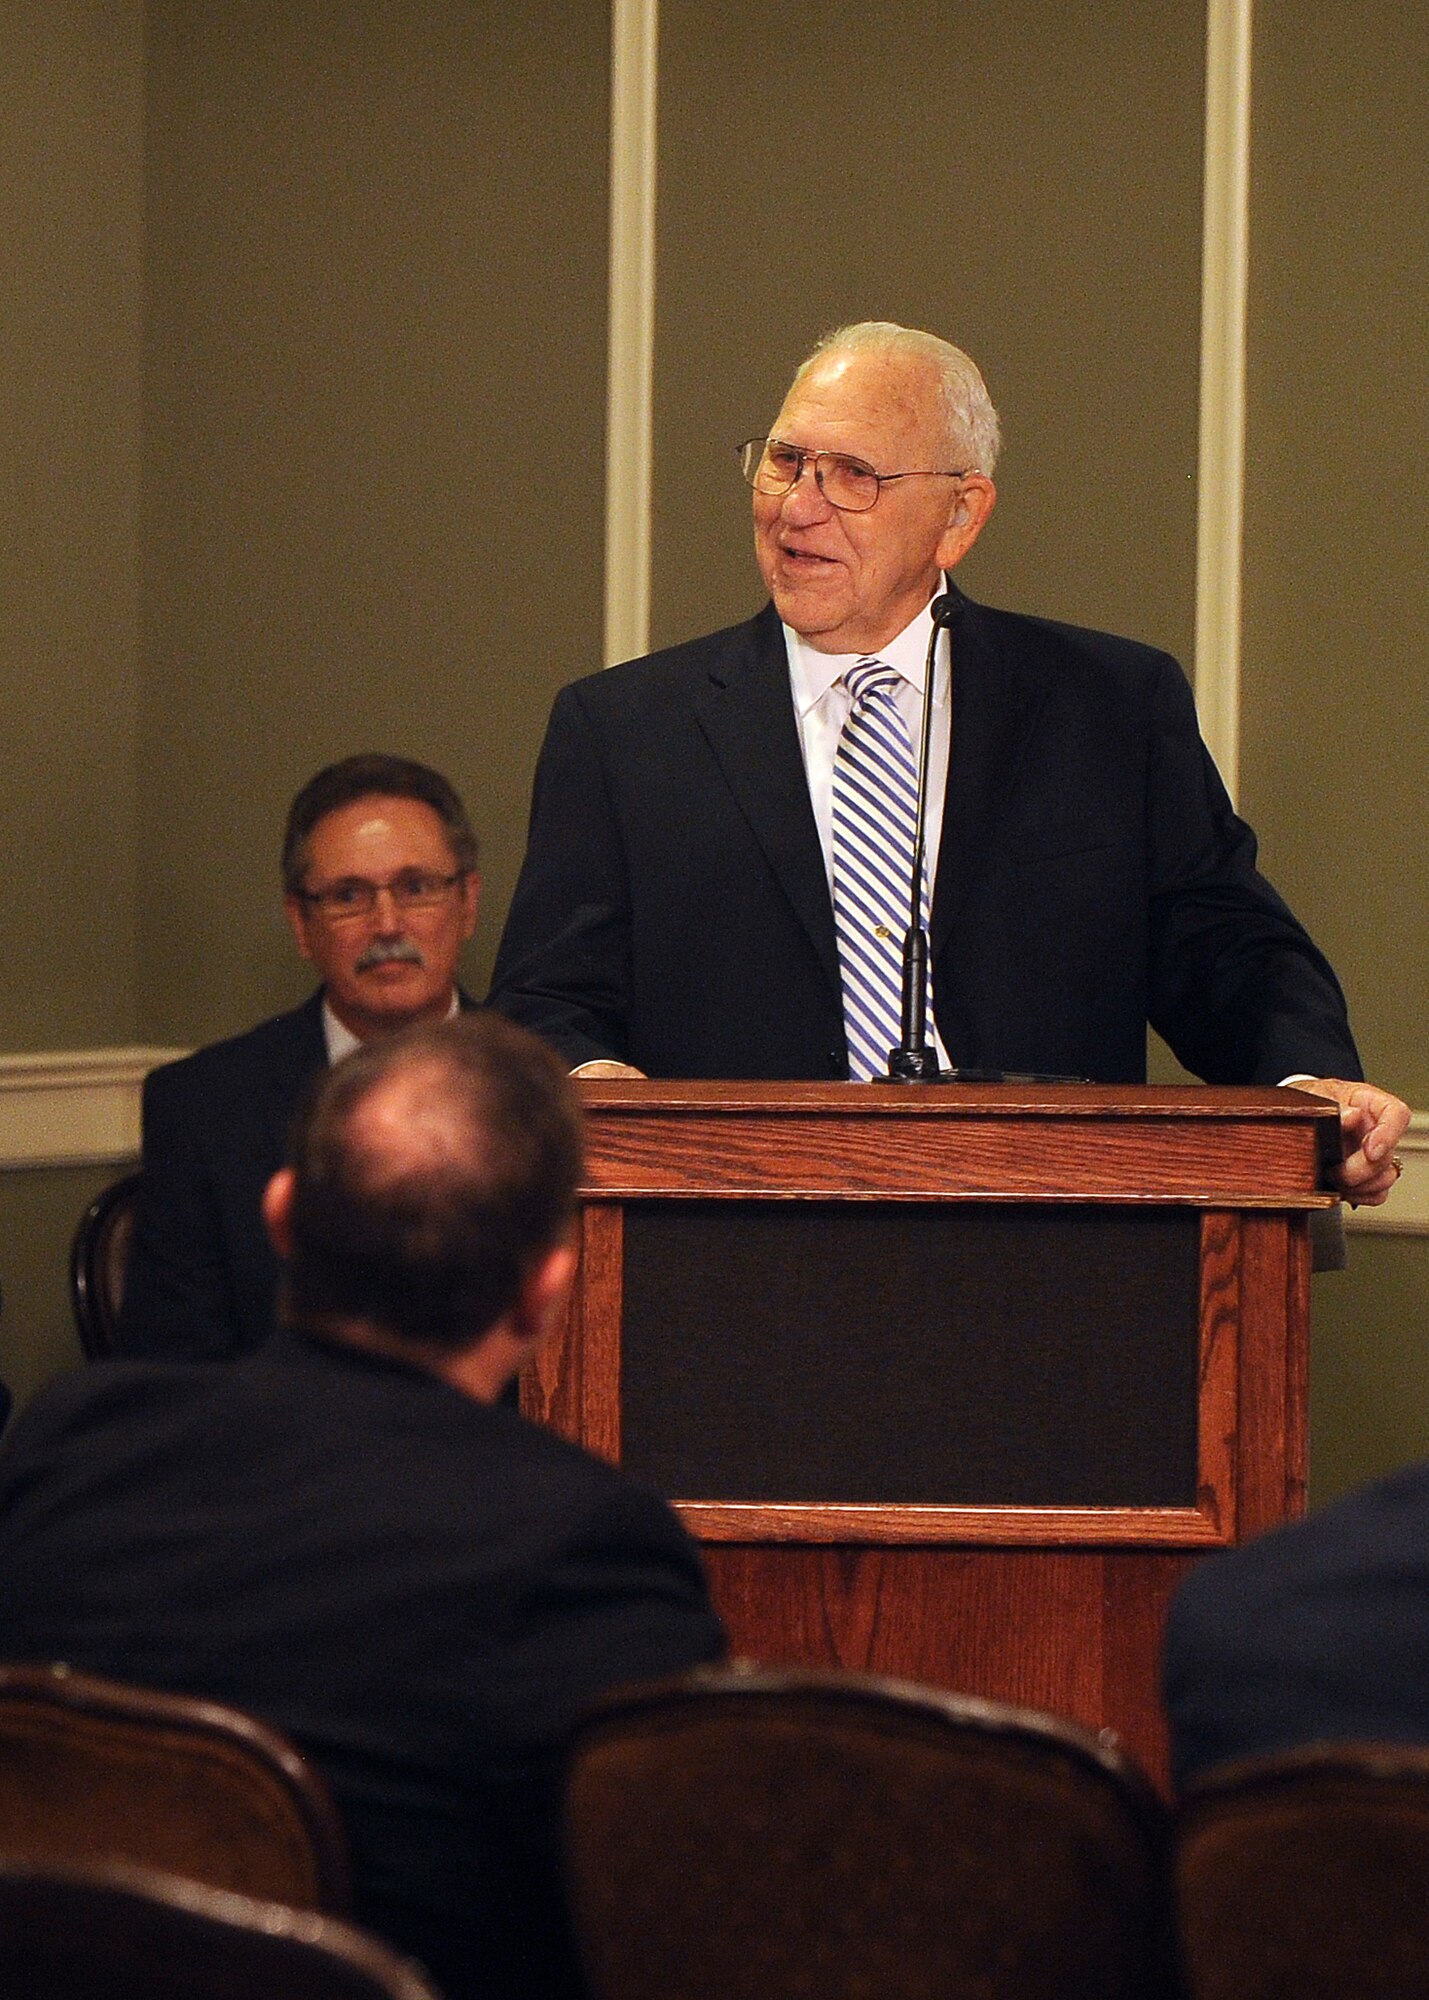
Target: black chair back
column 98, row 1260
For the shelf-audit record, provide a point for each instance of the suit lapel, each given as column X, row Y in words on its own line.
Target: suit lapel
column 747, row 714
column 299, row 1054
column 996, row 697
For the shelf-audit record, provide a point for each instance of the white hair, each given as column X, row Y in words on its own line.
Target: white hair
column 973, row 434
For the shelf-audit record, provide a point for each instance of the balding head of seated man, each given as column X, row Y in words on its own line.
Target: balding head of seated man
column 380, row 887
column 719, row 875
column 346, row 1533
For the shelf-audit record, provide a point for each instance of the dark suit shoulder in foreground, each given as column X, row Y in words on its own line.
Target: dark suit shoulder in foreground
column 420, row 1589
column 1317, row 1632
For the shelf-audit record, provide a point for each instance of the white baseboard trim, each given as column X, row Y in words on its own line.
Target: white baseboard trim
column 1406, row 1213
column 77, row 1108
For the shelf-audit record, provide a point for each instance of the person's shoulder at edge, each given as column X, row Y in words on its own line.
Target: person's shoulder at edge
column 1060, row 642
column 1374, row 1524
column 690, row 661
column 672, row 671
column 368, row 1379
column 1302, row 1634
column 293, row 1025
column 100, row 1391
column 293, row 1370
column 299, row 1026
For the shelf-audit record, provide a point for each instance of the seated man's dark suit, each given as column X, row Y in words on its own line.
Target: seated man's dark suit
column 1318, row 1632
column 673, row 910
column 419, row 1588
column 202, row 1281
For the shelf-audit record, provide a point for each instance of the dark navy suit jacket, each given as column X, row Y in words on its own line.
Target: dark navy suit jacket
column 202, row 1282
column 1318, row 1632
column 673, row 909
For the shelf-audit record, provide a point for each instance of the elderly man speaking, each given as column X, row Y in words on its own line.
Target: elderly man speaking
column 720, row 833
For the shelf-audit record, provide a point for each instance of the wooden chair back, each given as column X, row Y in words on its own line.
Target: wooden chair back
column 136, row 1934
column 92, row 1770
column 1307, row 1874
column 748, row 1834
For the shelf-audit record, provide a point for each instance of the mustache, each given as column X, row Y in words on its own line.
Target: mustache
column 389, row 951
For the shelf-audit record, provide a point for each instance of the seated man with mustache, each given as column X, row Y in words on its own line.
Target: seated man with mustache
column 380, row 887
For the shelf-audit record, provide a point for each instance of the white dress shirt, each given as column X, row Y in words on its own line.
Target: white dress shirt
column 821, row 707
column 341, row 1041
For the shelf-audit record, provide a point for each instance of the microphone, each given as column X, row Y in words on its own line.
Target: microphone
column 914, row 1061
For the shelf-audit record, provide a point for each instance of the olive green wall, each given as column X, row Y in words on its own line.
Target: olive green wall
column 375, row 282
column 1026, row 179
column 1335, row 708
column 1369, row 1364
column 39, row 1208
column 303, row 355
column 71, row 88
column 71, row 184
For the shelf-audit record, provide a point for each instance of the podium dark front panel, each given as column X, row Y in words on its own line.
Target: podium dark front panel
column 910, row 1352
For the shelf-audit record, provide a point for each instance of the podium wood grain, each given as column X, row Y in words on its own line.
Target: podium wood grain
column 1060, row 1607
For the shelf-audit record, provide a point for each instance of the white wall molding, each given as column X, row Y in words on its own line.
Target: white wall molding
column 630, row 363
column 1406, row 1213
column 1220, row 477
column 76, row 1108
column 1224, row 282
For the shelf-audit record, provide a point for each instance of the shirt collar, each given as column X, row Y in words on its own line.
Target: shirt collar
column 342, row 1042
column 812, row 674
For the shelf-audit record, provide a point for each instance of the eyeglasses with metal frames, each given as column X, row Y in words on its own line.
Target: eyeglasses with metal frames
column 773, row 466
column 356, row 896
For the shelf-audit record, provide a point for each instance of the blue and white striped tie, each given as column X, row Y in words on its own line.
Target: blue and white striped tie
column 875, row 800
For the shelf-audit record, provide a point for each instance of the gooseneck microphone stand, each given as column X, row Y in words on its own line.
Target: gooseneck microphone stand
column 914, row 1060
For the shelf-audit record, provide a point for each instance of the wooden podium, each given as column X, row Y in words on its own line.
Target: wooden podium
column 951, row 1382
